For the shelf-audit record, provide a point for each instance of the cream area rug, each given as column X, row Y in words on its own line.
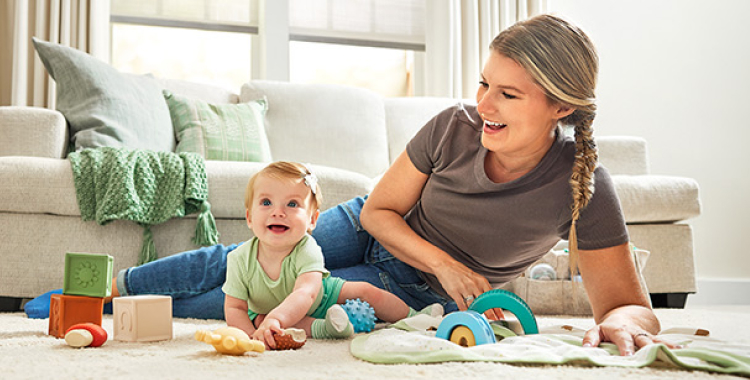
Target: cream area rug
column 27, row 352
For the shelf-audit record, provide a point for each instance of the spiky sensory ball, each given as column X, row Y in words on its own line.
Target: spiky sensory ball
column 361, row 314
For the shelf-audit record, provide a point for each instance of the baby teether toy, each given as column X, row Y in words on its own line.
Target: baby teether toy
column 291, row 339
column 230, row 341
column 470, row 328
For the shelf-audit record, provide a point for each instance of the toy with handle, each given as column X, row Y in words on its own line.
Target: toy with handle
column 85, row 335
column 230, row 341
column 470, row 328
column 466, row 328
column 504, row 299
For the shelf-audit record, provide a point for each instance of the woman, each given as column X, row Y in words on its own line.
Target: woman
column 479, row 195
column 476, row 215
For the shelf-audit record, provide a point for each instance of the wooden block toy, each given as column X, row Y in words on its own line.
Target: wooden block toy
column 142, row 318
column 88, row 274
column 66, row 311
column 85, row 335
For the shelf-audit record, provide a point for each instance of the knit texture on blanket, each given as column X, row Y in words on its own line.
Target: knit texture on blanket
column 145, row 187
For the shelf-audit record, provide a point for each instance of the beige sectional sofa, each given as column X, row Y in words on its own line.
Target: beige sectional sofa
column 349, row 135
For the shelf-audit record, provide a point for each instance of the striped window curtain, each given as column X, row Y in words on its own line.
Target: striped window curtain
column 81, row 24
column 457, row 37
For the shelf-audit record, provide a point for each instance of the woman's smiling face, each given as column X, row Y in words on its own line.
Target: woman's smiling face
column 519, row 119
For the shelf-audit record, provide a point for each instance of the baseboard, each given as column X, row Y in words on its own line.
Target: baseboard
column 10, row 304
column 719, row 291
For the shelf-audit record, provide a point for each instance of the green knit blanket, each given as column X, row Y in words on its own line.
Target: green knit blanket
column 145, row 187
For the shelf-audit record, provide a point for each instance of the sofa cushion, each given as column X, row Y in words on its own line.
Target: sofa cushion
column 656, row 198
column 35, row 185
column 205, row 92
column 45, row 185
column 406, row 116
column 337, row 126
column 226, row 132
column 227, row 182
column 103, row 106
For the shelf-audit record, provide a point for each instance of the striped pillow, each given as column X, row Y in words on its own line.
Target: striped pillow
column 224, row 132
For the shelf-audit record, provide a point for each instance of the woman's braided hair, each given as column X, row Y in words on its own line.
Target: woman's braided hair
column 563, row 61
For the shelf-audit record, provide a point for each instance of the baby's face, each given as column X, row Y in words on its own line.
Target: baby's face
column 281, row 212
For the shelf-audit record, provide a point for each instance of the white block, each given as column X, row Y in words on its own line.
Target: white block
column 142, row 318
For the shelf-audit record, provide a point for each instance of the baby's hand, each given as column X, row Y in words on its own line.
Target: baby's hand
column 265, row 331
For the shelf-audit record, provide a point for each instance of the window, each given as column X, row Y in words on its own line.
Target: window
column 383, row 70
column 366, row 43
column 219, row 58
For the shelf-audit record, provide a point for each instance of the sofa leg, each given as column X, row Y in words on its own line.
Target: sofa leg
column 10, row 304
column 668, row 300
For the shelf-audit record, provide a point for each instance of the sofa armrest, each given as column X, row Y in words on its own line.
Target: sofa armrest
column 656, row 198
column 623, row 154
column 32, row 131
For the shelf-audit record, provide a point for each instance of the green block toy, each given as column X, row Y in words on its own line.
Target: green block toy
column 88, row 274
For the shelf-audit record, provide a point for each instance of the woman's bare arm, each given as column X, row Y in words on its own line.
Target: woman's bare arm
column 621, row 308
column 383, row 217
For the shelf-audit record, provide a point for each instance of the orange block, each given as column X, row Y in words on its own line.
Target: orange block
column 66, row 311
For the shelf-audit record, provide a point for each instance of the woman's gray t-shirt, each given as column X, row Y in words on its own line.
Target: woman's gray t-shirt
column 499, row 229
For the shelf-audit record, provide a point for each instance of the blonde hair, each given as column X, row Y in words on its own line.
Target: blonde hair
column 563, row 61
column 291, row 171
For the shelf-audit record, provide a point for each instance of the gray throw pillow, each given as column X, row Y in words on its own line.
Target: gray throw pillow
column 105, row 107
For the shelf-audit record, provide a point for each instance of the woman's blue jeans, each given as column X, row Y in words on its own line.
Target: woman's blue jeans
column 193, row 279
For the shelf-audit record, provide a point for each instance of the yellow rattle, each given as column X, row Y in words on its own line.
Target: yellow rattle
column 230, row 341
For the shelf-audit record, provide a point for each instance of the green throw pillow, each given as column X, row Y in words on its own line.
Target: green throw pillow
column 103, row 106
column 224, row 132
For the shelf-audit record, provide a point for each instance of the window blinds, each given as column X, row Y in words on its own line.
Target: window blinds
column 383, row 23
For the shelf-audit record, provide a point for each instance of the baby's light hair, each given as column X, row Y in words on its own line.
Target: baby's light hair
column 286, row 170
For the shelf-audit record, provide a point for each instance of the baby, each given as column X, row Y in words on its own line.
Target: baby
column 278, row 280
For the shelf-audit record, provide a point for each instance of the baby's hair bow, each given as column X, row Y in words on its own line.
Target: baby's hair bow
column 311, row 180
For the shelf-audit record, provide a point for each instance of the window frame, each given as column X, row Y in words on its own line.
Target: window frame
column 273, row 30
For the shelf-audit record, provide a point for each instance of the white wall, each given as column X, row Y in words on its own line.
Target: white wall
column 677, row 72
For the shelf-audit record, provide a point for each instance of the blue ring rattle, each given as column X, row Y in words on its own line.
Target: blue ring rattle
column 470, row 328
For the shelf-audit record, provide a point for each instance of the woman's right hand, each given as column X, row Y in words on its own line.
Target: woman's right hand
column 464, row 285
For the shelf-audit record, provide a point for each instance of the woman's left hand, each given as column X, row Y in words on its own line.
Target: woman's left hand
column 624, row 332
column 620, row 305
